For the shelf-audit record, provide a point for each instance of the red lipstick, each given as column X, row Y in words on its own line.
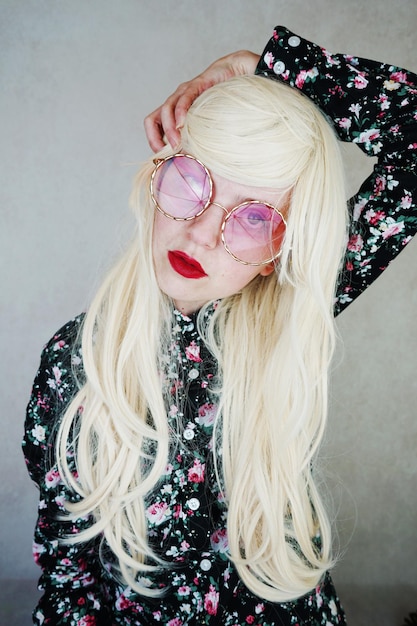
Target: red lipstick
column 185, row 265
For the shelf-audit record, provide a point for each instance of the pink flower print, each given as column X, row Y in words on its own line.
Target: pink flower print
column 42, row 402
column 57, row 374
column 369, row 135
column 406, row 202
column 250, row 619
column 384, row 102
column 158, row 512
column 226, row 574
column 184, row 590
column 219, row 541
column 178, row 511
column 58, row 345
column 123, row 603
column 380, row 184
column 358, row 208
column 330, row 60
column 392, row 229
column 169, row 468
column 259, row 608
column 269, row 60
column 52, row 478
column 275, row 35
column 301, row 79
column 319, row 599
column 173, row 410
column 87, row 620
column 37, row 551
column 60, row 501
column 355, row 243
column 206, row 414
column 336, row 91
column 373, row 217
column 93, row 599
column 196, row 472
column 175, row 622
column 193, row 352
column 345, row 122
column 53, row 383
column 211, row 601
column 400, row 77
column 304, row 75
column 360, row 81
column 75, row 359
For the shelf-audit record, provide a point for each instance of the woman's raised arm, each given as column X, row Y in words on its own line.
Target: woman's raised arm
column 167, row 119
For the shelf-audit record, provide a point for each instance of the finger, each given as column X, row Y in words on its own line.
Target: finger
column 169, row 123
column 154, row 130
column 189, row 93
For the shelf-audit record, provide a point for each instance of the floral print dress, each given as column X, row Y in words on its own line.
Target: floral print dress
column 371, row 104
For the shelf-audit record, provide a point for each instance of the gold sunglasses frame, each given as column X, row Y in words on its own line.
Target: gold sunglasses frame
column 159, row 162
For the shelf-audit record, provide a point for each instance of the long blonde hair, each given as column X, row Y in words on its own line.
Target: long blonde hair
column 273, row 343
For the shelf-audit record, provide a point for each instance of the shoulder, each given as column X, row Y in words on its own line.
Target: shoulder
column 61, row 360
column 59, row 376
column 66, row 338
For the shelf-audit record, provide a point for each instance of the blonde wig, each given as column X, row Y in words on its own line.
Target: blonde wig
column 273, row 342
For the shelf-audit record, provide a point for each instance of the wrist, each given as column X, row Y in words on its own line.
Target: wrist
column 245, row 61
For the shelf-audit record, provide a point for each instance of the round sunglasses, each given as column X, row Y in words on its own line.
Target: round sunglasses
column 182, row 188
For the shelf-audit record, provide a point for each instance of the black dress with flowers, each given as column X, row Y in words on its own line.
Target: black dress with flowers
column 371, row 104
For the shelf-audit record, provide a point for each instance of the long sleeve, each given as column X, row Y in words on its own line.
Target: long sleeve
column 375, row 106
column 74, row 592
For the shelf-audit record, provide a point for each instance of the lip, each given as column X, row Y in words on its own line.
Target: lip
column 185, row 265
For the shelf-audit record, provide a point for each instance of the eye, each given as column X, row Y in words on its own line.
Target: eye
column 255, row 215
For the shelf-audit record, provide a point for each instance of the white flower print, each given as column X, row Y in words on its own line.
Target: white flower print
column 269, row 59
column 38, row 433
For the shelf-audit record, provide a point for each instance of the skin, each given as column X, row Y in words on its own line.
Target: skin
column 200, row 239
column 163, row 124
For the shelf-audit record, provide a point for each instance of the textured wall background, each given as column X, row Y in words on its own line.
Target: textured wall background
column 77, row 80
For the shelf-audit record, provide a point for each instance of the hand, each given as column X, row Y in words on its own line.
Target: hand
column 167, row 119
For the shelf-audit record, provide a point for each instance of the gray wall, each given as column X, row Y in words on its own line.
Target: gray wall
column 77, row 80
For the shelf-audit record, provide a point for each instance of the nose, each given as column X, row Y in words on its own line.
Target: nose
column 205, row 230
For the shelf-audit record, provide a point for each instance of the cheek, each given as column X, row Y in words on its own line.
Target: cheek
column 162, row 230
column 236, row 276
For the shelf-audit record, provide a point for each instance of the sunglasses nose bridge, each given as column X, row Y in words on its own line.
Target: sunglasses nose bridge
column 223, row 208
column 206, row 228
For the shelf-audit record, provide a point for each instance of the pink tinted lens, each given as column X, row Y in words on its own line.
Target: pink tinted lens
column 181, row 187
column 254, row 232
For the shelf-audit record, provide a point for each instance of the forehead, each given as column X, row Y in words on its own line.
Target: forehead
column 239, row 192
column 224, row 189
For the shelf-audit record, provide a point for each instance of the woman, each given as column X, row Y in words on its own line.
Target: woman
column 174, row 449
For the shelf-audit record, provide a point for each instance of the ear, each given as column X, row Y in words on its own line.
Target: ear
column 266, row 270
